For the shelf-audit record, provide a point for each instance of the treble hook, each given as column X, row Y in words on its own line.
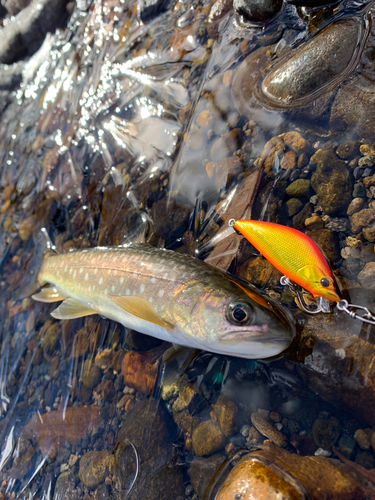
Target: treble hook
column 322, row 304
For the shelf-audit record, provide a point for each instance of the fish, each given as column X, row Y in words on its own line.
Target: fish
column 293, row 253
column 171, row 296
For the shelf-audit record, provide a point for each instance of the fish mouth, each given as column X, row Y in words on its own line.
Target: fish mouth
column 257, row 335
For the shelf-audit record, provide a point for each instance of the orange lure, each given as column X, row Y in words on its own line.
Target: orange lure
column 293, row 253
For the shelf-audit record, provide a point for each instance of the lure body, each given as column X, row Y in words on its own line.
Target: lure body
column 293, row 253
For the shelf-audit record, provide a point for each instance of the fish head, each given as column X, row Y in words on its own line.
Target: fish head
column 318, row 282
column 235, row 320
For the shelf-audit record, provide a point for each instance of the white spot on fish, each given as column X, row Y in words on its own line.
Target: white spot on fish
column 113, row 288
column 161, row 293
column 135, row 275
column 100, row 280
column 106, row 291
column 121, row 280
column 127, row 291
column 115, row 272
column 95, row 270
column 80, row 270
column 74, row 274
column 86, row 276
column 70, row 271
column 153, row 280
column 150, row 299
column 141, row 288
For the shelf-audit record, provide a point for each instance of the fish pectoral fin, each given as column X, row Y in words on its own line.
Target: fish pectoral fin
column 71, row 309
column 141, row 308
column 49, row 294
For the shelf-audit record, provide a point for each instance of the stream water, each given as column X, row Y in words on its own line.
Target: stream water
column 186, row 119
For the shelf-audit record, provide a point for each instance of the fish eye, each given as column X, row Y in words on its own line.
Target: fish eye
column 325, row 282
column 239, row 313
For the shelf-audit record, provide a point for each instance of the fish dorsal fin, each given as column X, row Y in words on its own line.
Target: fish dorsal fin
column 141, row 308
column 71, row 309
column 49, row 294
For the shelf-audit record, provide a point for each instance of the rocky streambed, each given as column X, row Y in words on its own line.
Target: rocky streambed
column 186, row 115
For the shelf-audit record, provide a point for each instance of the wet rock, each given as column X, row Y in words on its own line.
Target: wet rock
column 327, row 241
column 301, row 188
column 304, row 445
column 185, row 397
column 366, row 459
column 139, row 371
column 90, row 373
column 50, row 338
column 23, row 35
column 15, row 6
column 297, row 143
column 288, row 161
column 226, row 145
column 22, row 458
column 149, row 9
column 64, row 486
column 353, row 107
column 326, row 432
column 257, row 10
column 202, row 470
column 331, row 182
column 259, row 271
column 346, row 445
column 316, row 67
column 305, row 213
column 171, row 390
column 93, row 468
column 68, row 425
column 207, row 438
column 150, row 429
column 367, row 276
column 355, row 206
column 362, row 219
column 293, row 205
column 359, row 191
column 363, row 439
column 369, row 233
column 369, row 181
column 314, row 222
column 348, row 150
column 225, row 412
column 272, row 472
column 268, row 430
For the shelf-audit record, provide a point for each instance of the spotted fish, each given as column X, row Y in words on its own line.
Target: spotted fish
column 168, row 295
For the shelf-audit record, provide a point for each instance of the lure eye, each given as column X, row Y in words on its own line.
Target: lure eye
column 239, row 313
column 325, row 282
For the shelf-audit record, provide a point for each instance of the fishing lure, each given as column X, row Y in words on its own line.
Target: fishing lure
column 302, row 263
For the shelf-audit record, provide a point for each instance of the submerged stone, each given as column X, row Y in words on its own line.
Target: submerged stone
column 316, row 67
column 257, row 11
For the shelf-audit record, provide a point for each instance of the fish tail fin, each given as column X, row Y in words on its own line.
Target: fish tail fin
column 43, row 246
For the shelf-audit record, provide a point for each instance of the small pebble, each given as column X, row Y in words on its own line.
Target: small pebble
column 322, row 453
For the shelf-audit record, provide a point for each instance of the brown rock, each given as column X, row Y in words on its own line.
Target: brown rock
column 288, row 161
column 225, row 412
column 272, row 472
column 226, row 145
column 268, row 430
column 295, row 141
column 369, row 233
column 62, row 425
column 362, row 219
column 367, row 276
column 93, row 468
column 139, row 372
column 369, row 181
column 207, row 438
column 259, row 271
column 363, row 439
column 355, row 206
column 326, row 432
column 327, row 240
column 90, row 373
column 331, row 182
column 347, row 150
